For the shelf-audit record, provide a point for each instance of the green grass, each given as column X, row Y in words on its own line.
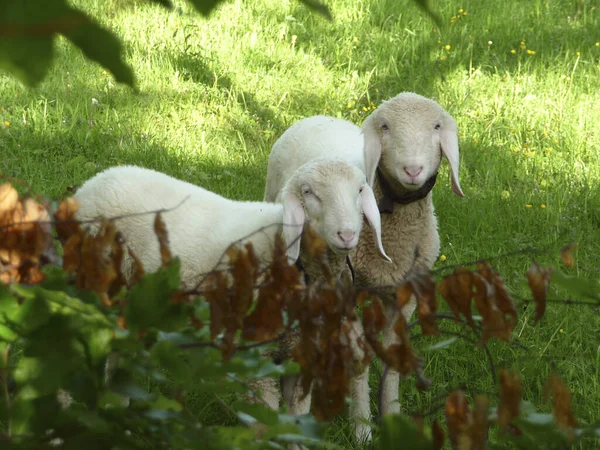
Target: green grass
column 216, row 94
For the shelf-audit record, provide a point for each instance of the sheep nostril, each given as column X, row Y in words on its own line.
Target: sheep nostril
column 413, row 171
column 346, row 236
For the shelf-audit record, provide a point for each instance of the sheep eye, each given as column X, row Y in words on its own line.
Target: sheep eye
column 360, row 190
column 438, row 126
column 306, row 191
column 385, row 127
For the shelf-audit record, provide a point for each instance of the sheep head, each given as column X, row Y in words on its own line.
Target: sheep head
column 406, row 137
column 334, row 195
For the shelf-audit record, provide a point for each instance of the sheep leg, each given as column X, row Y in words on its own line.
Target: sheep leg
column 291, row 387
column 266, row 390
column 293, row 395
column 360, row 408
column 389, row 390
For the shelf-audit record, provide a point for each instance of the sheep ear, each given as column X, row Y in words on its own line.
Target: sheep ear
column 449, row 144
column 369, row 207
column 293, row 224
column 372, row 148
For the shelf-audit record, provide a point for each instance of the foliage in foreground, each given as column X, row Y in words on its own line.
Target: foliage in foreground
column 61, row 317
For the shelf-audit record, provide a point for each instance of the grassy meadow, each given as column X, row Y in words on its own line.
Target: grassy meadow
column 521, row 78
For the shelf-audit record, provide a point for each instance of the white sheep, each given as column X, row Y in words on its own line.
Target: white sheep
column 330, row 194
column 399, row 149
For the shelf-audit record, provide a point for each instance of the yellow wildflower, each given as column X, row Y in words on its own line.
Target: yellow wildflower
column 460, row 11
column 465, row 13
column 442, row 58
column 597, row 44
column 513, row 52
column 6, row 123
column 443, row 258
column 578, row 53
column 543, row 206
column 528, row 205
column 350, row 105
column 447, row 47
column 531, row 52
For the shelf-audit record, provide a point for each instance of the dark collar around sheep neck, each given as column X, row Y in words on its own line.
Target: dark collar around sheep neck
column 386, row 204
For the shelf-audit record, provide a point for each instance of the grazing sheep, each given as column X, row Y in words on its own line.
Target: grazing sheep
column 399, row 148
column 205, row 224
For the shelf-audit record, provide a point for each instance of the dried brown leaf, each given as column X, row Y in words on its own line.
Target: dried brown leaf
column 538, row 279
column 561, row 403
column 137, row 270
column 566, row 254
column 215, row 293
column 497, row 309
column 404, row 292
column 163, row 240
column 66, row 224
column 438, row 435
column 457, row 291
column 25, row 238
column 478, row 430
column 9, row 197
column 510, row 398
column 457, row 418
column 427, row 303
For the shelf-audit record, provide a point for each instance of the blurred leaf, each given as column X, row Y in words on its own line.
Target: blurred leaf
column 259, row 411
column 27, row 59
column 319, row 8
column 168, row 356
column 148, row 302
column 205, row 7
column 164, row 403
column 396, row 429
column 427, row 6
column 102, row 46
column 165, row 3
column 589, row 289
column 9, row 310
column 30, row 26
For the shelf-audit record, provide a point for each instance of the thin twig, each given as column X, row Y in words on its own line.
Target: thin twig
column 97, row 220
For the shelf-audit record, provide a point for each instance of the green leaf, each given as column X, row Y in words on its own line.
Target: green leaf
column 27, row 59
column 396, row 428
column 318, row 7
column 148, row 302
column 33, row 312
column 168, row 356
column 166, row 3
column 205, row 7
column 307, row 423
column 49, row 355
column 56, row 278
column 427, row 6
column 258, row 411
column 35, row 415
column 589, row 289
column 165, row 403
column 99, row 45
column 9, row 310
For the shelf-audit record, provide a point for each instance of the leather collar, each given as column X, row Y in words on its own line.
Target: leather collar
column 386, row 204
